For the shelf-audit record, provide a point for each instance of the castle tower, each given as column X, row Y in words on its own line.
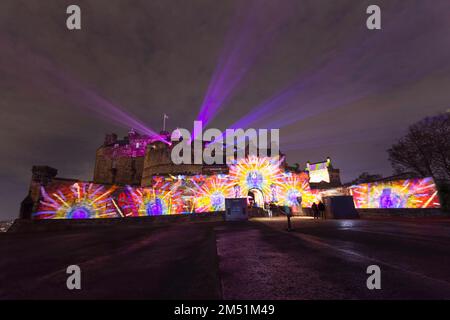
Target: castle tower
column 121, row 161
column 158, row 162
column 41, row 177
column 323, row 174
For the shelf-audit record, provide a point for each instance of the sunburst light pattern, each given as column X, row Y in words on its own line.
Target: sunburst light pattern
column 260, row 177
column 295, row 185
column 409, row 193
column 260, row 173
column 76, row 201
column 211, row 194
column 161, row 199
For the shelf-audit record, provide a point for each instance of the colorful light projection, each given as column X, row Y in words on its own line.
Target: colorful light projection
column 318, row 172
column 296, row 185
column 260, row 173
column 207, row 193
column 76, row 201
column 163, row 198
column 410, row 193
column 211, row 194
column 135, row 148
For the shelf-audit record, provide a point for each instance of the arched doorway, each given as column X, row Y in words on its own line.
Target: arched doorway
column 256, row 196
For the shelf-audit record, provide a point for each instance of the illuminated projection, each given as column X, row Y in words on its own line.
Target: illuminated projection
column 177, row 195
column 211, row 192
column 318, row 172
column 163, row 198
column 410, row 193
column 262, row 176
column 76, row 201
column 294, row 186
column 257, row 178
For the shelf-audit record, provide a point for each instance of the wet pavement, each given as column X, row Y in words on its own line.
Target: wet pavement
column 329, row 259
column 166, row 262
column 258, row 259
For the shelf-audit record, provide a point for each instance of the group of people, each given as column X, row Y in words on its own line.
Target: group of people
column 318, row 210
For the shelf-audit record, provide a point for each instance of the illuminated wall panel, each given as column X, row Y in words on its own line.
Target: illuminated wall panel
column 410, row 193
column 263, row 174
column 318, row 172
column 77, row 200
column 207, row 193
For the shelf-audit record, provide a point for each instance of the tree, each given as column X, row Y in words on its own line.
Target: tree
column 425, row 149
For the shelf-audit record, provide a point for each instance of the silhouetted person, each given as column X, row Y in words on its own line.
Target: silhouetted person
column 268, row 207
column 299, row 200
column 287, row 211
column 321, row 207
column 273, row 208
column 315, row 210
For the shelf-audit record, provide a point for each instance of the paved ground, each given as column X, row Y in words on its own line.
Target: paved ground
column 328, row 259
column 176, row 261
column 250, row 260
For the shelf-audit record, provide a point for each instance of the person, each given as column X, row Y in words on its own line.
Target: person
column 273, row 208
column 287, row 211
column 315, row 210
column 269, row 209
column 299, row 201
column 321, row 207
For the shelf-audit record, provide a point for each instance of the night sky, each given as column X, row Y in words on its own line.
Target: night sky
column 308, row 67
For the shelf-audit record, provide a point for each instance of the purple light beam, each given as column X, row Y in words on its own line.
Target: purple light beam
column 382, row 61
column 253, row 28
column 36, row 68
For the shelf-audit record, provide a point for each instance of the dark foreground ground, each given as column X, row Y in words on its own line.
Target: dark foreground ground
column 249, row 260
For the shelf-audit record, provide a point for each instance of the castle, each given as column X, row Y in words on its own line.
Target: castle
column 135, row 176
column 137, row 171
column 136, row 158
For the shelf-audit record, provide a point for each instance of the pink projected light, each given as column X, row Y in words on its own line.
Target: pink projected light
column 261, row 178
column 77, row 201
column 410, row 193
column 32, row 66
column 253, row 27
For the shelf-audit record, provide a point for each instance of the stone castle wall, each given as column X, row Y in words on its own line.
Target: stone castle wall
column 120, row 170
column 158, row 162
